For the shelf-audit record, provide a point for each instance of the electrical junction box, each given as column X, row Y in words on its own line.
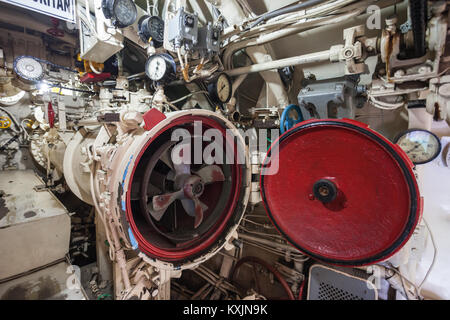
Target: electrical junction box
column 208, row 40
column 183, row 29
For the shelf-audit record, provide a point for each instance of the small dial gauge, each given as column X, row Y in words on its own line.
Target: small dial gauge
column 151, row 29
column 157, row 68
column 28, row 68
column 221, row 89
column 421, row 146
column 160, row 68
column 122, row 13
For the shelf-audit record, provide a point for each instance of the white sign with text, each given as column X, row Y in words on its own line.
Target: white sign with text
column 61, row 9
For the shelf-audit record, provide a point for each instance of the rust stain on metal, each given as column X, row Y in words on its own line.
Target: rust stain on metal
column 43, row 288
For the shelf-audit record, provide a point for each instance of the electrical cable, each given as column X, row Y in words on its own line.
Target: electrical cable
column 253, row 260
column 402, row 277
column 300, row 292
column 434, row 256
column 289, row 9
column 188, row 96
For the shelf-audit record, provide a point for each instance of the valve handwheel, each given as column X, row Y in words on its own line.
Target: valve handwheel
column 5, row 122
column 55, row 31
column 349, row 196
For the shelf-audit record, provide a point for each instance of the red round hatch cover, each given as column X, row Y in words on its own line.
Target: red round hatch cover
column 343, row 193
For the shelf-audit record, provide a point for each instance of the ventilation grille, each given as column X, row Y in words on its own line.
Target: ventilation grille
column 328, row 283
column 329, row 292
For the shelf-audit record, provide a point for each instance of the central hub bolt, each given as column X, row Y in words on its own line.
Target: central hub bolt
column 197, row 188
column 193, row 187
column 325, row 190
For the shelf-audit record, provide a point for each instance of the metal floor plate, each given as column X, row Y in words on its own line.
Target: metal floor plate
column 52, row 283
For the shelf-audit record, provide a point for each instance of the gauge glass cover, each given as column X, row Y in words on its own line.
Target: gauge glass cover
column 421, row 146
column 157, row 68
column 125, row 12
column 223, row 88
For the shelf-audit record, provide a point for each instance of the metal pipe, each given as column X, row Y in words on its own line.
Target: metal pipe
column 319, row 25
column 418, row 12
column 256, row 260
column 285, row 10
column 269, row 243
column 320, row 56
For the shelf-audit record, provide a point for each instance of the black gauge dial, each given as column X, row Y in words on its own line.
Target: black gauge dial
column 122, row 13
column 151, row 29
column 220, row 90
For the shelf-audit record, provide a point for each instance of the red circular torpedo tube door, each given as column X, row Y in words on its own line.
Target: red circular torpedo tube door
column 343, row 194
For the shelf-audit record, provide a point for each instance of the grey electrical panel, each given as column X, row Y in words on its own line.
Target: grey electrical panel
column 183, row 29
column 208, row 40
column 331, row 99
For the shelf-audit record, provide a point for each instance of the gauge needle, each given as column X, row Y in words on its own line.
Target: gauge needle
column 418, row 145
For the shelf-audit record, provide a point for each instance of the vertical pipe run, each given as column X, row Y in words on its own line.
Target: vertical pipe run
column 419, row 18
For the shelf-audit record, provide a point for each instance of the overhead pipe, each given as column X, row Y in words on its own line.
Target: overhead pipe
column 281, row 11
column 320, row 56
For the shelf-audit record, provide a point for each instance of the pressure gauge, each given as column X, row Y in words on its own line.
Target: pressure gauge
column 421, row 146
column 160, row 68
column 123, row 13
column 28, row 68
column 151, row 29
column 446, row 154
column 220, row 89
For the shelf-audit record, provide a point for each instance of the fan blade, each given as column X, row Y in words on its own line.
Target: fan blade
column 211, row 174
column 199, row 209
column 181, row 168
column 157, row 215
column 166, row 158
column 151, row 190
column 136, row 195
column 189, row 207
column 163, row 201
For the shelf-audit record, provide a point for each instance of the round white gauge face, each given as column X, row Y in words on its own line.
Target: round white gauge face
column 157, row 68
column 29, row 68
column 421, row 146
column 223, row 88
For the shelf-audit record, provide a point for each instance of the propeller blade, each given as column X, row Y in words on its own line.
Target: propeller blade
column 157, row 215
column 163, row 201
column 199, row 209
column 211, row 174
column 166, row 158
column 189, row 207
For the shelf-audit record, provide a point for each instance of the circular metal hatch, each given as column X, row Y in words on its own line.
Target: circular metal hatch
column 343, row 194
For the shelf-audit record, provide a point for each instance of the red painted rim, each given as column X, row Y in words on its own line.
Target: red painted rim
column 377, row 205
column 210, row 238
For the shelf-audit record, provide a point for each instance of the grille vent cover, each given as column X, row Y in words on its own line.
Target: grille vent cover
column 326, row 283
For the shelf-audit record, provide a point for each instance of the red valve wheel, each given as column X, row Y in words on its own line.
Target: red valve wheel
column 343, row 193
